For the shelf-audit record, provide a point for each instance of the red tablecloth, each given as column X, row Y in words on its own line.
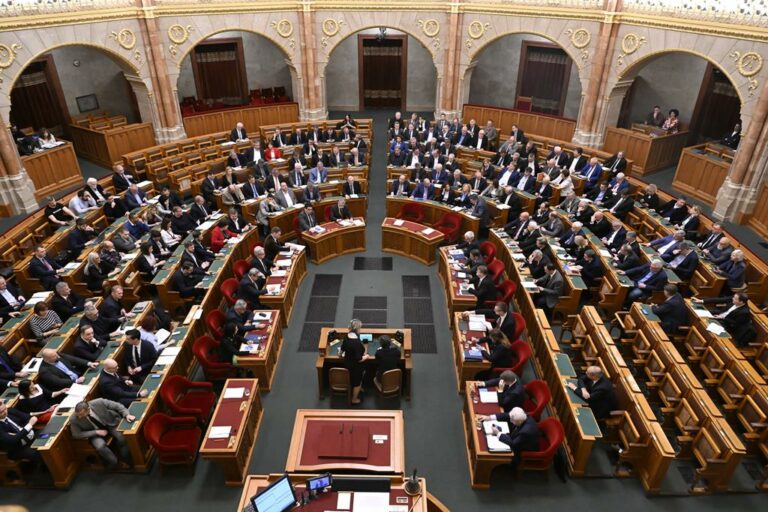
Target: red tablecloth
column 378, row 454
column 414, row 227
column 229, row 413
column 486, row 410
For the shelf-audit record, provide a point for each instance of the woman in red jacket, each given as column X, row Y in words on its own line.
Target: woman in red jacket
column 219, row 235
column 272, row 152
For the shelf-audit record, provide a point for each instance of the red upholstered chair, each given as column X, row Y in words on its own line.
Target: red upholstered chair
column 412, row 211
column 175, row 439
column 538, row 398
column 524, row 103
column 506, row 290
column 449, row 225
column 240, row 268
column 296, row 228
column 206, row 350
column 185, row 397
column 488, row 250
column 214, row 320
column 519, row 326
column 327, row 213
column 552, row 436
column 229, row 289
column 496, row 269
column 522, row 352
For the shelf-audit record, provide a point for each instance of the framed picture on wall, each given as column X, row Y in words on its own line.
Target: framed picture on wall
column 87, row 103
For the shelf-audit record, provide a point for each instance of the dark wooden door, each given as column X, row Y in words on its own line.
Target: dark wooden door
column 219, row 70
column 37, row 100
column 718, row 107
column 382, row 71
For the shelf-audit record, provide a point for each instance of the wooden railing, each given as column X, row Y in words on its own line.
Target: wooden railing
column 251, row 117
column 544, row 125
column 106, row 147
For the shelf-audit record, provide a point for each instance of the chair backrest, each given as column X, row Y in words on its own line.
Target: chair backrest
column 523, row 352
column 240, row 268
column 205, row 349
column 507, row 289
column 488, row 251
column 228, row 289
column 327, row 213
column 539, row 393
column 391, row 380
column 519, row 325
column 553, row 434
column 412, row 208
column 451, row 219
column 496, row 268
column 338, row 380
column 155, row 427
column 214, row 320
column 172, row 389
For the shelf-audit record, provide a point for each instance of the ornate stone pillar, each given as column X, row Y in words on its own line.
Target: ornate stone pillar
column 17, row 192
column 449, row 85
column 608, row 115
column 313, row 107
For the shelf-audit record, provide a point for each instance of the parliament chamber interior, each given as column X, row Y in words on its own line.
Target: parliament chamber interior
column 383, row 256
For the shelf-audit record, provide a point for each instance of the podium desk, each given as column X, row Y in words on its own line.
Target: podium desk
column 410, row 239
column 466, row 369
column 330, row 343
column 451, row 277
column 284, row 298
column 242, row 415
column 345, row 440
column 327, row 501
column 336, row 239
column 649, row 153
column 286, row 218
column 263, row 359
column 433, row 212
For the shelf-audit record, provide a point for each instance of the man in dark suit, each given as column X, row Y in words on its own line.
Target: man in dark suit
column 260, row 262
column 135, row 197
column 675, row 210
column 87, row 346
column 97, row 191
column 672, row 312
column 648, row 278
column 199, row 211
column 625, row 258
column 686, row 260
column 340, row 211
column 616, row 164
column 278, row 140
column 121, row 179
column 11, row 299
column 400, row 186
column 537, row 261
column 733, row 270
column 65, row 302
column 102, row 327
column 307, row 218
column 601, row 195
column 591, row 172
column 296, row 177
column 621, row 204
column 60, row 371
column 351, row 187
column 599, row 225
column 468, row 243
column 251, row 287
column 711, row 238
column 210, row 184
column 510, row 391
column 272, row 245
column 298, row 138
column 589, row 268
column 502, row 320
column 737, row 319
column 112, row 307
column 667, row 246
column 484, row 289
column 598, row 392
column 523, row 433
column 252, row 189
column 182, row 222
column 10, row 370
column 44, row 268
column 614, row 239
column 733, row 138
column 387, row 357
column 185, row 281
column 238, row 133
column 527, row 181
column 239, row 315
column 17, row 434
column 424, row 190
column 114, row 387
column 139, row 356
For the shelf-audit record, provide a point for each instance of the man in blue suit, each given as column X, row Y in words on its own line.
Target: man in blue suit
column 733, row 270
column 318, row 174
column 424, row 190
column 672, row 312
column 685, row 261
column 135, row 197
column 591, row 172
column 135, row 226
column 648, row 278
column 667, row 245
column 619, row 184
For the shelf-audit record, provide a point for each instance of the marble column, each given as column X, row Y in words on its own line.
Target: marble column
column 17, row 192
column 313, row 107
column 449, row 84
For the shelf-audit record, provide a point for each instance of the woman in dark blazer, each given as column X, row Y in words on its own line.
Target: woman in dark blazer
column 500, row 353
column 146, row 263
column 649, row 199
column 355, row 355
column 230, row 344
column 94, row 274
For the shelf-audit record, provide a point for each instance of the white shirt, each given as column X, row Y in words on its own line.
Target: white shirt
column 522, row 182
column 505, row 177
column 9, row 298
column 168, row 237
column 288, row 200
column 664, row 249
column 256, row 155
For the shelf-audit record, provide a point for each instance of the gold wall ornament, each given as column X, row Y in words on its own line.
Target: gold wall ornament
column 178, row 34
column 749, row 64
column 331, row 26
column 8, row 54
column 125, row 38
column 430, row 27
column 476, row 29
column 630, row 43
column 283, row 27
column 580, row 38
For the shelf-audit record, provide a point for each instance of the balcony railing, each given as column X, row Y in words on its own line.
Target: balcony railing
column 40, row 7
column 735, row 12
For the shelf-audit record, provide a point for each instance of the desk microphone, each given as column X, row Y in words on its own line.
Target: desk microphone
column 412, row 486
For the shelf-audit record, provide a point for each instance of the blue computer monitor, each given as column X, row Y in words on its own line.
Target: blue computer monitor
column 319, row 483
column 278, row 497
column 366, row 337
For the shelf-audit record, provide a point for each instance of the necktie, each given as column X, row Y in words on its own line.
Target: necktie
column 136, row 355
column 253, row 189
column 47, row 265
column 15, row 428
column 61, row 366
column 311, row 221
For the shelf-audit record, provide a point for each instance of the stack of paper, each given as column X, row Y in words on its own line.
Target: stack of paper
column 488, row 397
column 358, row 222
column 279, row 273
column 205, row 225
column 273, row 289
column 162, row 335
column 456, row 252
column 399, row 222
column 703, row 313
column 219, row 432
column 518, row 256
column 494, row 445
column 75, row 395
column 171, row 351
column 427, row 231
column 478, row 323
column 283, row 263
column 716, row 328
column 234, row 392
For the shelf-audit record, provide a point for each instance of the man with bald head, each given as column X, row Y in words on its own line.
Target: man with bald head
column 238, row 133
column 598, row 392
column 116, row 388
column 60, row 371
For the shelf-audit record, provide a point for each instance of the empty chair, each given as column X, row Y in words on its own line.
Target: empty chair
column 327, row 213
column 488, row 250
column 449, row 225
column 391, row 382
column 229, row 289
column 185, row 397
column 538, row 398
column 214, row 320
column 519, row 326
column 338, row 382
column 206, row 350
column 552, row 436
column 412, row 211
column 504, row 293
column 175, row 439
column 240, row 268
column 522, row 352
column 496, row 269
column 296, row 228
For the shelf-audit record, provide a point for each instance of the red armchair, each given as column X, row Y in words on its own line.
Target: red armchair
column 188, row 398
column 175, row 439
column 488, row 250
column 496, row 269
column 522, row 352
column 206, row 350
column 240, row 268
column 449, row 225
column 506, row 291
column 296, row 228
column 519, row 326
column 538, row 398
column 214, row 320
column 327, row 213
column 412, row 211
column 229, row 289
column 552, row 436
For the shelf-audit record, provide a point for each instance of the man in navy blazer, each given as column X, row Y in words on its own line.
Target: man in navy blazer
column 592, row 172
column 672, row 312
column 479, row 210
column 424, row 190
column 733, row 270
column 510, row 391
column 17, row 434
column 619, row 184
column 135, row 197
column 440, row 175
column 685, row 261
column 135, row 226
column 667, row 245
column 400, row 187
column 523, row 432
column 648, row 278
column 527, row 181
column 139, row 356
column 44, row 268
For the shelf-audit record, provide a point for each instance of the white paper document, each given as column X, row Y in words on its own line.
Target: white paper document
column 494, row 445
column 283, row 263
column 399, row 222
column 518, row 256
column 488, row 397
column 78, row 390
column 371, row 502
column 703, row 313
column 165, row 360
column 343, row 500
column 234, row 392
column 477, row 323
column 279, row 273
column 503, row 426
column 427, row 231
column 716, row 329
column 263, row 315
column 219, row 432
column 162, row 335
column 273, row 289
column 171, row 351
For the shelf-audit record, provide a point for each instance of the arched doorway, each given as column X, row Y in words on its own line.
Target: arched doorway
column 380, row 68
column 529, row 66
column 73, row 81
column 708, row 103
column 233, row 68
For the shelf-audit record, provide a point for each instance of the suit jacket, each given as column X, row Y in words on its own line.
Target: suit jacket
column 250, row 291
column 106, row 412
column 272, row 247
column 318, row 176
column 182, row 225
column 600, row 228
column 298, row 138
column 733, row 272
column 5, row 375
column 185, row 284
column 121, row 183
column 294, row 180
column 280, row 196
column 620, row 164
column 304, row 221
column 687, row 267
column 48, row 278
column 592, row 174
column 602, row 396
column 147, row 357
column 386, row 359
column 500, row 356
column 5, row 307
column 198, row 213
column 337, row 213
column 113, row 387
column 484, row 291
column 54, row 379
column 418, row 192
column 354, row 189
column 524, row 438
column 595, row 192
column 65, row 308
column 207, row 189
column 552, row 227
column 233, row 135
column 12, row 442
column 529, row 185
column 110, row 308
column 676, row 215
column 620, row 206
column 264, row 266
column 86, row 350
column 618, row 239
column 552, row 288
column 738, row 323
column 654, row 283
column 718, row 255
column 672, row 313
column 131, row 202
column 629, row 261
column 511, row 397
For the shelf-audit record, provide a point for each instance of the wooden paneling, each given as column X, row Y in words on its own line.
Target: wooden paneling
column 540, row 124
column 649, row 154
column 106, row 147
column 251, row 117
column 53, row 170
column 701, row 174
column 759, row 218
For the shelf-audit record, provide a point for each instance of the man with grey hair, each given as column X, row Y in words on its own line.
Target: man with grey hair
column 648, row 278
column 102, row 327
column 96, row 191
column 510, row 391
column 597, row 390
column 667, row 245
column 260, row 261
column 239, row 315
column 65, row 302
column 685, row 261
column 469, row 243
column 251, row 288
column 523, row 433
column 97, row 421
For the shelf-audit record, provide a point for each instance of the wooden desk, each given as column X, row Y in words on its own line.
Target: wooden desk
column 107, row 147
column 336, row 240
column 433, row 212
column 284, row 299
column 701, row 172
column 243, row 416
column 533, row 122
column 648, row 153
column 53, row 170
column 286, row 219
column 462, row 338
column 410, row 239
column 251, row 116
column 329, row 347
column 307, row 441
column 326, row 502
column 450, row 276
column 263, row 360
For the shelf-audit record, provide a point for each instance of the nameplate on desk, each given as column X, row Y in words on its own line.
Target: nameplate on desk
column 398, row 222
column 219, row 432
column 234, row 393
